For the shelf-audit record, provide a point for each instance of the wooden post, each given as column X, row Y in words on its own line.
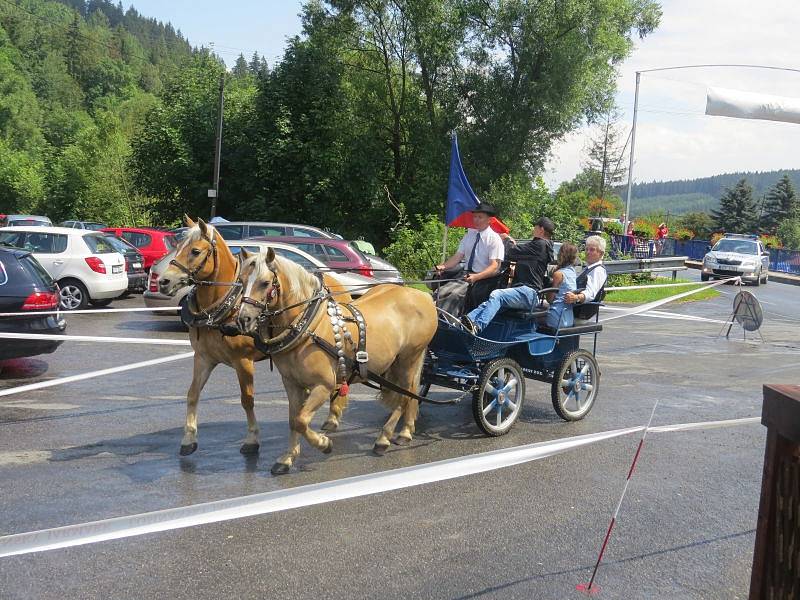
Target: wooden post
column 777, row 550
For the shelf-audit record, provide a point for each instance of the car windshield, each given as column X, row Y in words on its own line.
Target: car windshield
column 99, row 244
column 737, row 246
column 94, row 226
column 28, row 223
column 12, row 238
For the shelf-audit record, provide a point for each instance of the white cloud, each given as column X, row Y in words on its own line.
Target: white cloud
column 674, row 139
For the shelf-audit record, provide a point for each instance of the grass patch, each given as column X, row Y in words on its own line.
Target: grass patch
column 658, row 293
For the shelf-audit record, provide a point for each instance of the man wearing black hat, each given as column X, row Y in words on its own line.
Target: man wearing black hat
column 482, row 249
column 532, row 259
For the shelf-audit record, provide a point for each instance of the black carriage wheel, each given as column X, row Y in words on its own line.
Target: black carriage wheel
column 424, row 388
column 575, row 385
column 497, row 401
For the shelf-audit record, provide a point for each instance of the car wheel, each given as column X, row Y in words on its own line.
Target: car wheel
column 766, row 278
column 101, row 303
column 703, row 277
column 757, row 282
column 72, row 295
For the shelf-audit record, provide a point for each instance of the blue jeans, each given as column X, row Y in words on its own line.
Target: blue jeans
column 520, row 297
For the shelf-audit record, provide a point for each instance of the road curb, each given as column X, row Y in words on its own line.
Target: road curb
column 774, row 276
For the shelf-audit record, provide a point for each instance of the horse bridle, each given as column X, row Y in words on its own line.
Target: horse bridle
column 273, row 292
column 192, row 273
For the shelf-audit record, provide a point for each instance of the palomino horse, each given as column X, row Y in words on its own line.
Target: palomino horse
column 204, row 260
column 400, row 322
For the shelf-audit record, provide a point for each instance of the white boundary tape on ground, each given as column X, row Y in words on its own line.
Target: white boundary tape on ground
column 45, row 384
column 309, row 495
column 655, row 304
column 659, row 314
column 92, row 311
column 94, row 338
column 648, row 287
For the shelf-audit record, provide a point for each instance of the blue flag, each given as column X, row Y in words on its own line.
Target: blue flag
column 460, row 197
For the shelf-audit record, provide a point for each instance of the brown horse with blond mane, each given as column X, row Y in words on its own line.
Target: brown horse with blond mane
column 204, row 260
column 400, row 323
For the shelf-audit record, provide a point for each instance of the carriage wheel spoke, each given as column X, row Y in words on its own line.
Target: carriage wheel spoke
column 489, row 407
column 499, row 414
column 491, row 390
column 510, row 386
column 511, row 405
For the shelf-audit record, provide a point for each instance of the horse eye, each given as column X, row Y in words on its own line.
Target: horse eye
column 195, row 251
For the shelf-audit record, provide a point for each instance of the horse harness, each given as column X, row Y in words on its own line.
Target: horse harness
column 295, row 332
column 191, row 314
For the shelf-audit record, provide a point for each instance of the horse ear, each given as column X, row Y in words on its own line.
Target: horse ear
column 203, row 227
column 244, row 254
column 188, row 221
column 270, row 255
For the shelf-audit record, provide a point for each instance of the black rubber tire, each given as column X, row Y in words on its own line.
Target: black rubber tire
column 766, row 278
column 757, row 282
column 703, row 277
column 424, row 388
column 560, row 394
column 481, row 398
column 72, row 295
column 101, row 303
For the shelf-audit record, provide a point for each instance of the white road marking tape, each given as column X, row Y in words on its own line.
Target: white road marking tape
column 28, row 405
column 309, row 495
column 90, row 375
column 704, row 425
column 660, row 314
column 650, row 287
column 24, row 457
column 92, row 311
column 94, row 338
column 655, row 304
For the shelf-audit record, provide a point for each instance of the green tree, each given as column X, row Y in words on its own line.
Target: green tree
column 737, row 209
column 605, row 154
column 240, row 68
column 780, row 203
column 789, row 234
column 699, row 223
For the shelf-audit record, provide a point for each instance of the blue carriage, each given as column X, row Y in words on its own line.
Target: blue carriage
column 495, row 364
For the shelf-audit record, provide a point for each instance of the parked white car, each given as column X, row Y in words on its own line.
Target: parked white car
column 85, row 265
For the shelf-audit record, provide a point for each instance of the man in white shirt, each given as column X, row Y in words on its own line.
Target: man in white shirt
column 482, row 250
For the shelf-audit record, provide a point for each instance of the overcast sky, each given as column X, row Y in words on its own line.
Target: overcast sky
column 674, row 139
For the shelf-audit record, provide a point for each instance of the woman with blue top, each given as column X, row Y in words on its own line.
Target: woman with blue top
column 560, row 313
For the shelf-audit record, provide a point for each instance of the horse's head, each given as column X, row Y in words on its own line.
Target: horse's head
column 262, row 288
column 195, row 258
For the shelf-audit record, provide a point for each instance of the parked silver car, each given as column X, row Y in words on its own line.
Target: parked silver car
column 734, row 254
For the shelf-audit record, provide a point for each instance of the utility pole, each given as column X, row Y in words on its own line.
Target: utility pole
column 214, row 193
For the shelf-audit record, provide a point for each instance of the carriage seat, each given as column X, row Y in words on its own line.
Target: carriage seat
column 574, row 330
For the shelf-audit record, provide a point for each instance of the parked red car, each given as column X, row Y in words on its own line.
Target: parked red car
column 341, row 254
column 152, row 243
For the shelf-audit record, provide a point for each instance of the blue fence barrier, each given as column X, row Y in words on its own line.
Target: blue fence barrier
column 780, row 260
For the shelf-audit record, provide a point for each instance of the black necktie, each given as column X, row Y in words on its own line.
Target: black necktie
column 472, row 254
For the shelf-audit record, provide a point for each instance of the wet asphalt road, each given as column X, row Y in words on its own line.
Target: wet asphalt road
column 108, row 447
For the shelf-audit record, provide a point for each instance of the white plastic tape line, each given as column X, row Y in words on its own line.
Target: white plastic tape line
column 655, row 304
column 704, row 425
column 659, row 314
column 92, row 311
column 307, row 495
column 45, row 384
column 94, row 338
column 649, row 287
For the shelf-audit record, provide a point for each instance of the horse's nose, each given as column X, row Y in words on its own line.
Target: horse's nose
column 244, row 322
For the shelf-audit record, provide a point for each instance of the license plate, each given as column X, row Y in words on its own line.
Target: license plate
column 116, row 268
column 136, row 265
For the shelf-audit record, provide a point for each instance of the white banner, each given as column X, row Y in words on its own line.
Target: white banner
column 747, row 105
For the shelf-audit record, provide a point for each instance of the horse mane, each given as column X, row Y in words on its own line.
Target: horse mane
column 297, row 283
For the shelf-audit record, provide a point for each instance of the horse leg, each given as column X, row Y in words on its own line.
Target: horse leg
column 382, row 443
column 337, row 407
column 244, row 372
column 316, row 398
column 411, row 407
column 285, row 461
column 200, row 374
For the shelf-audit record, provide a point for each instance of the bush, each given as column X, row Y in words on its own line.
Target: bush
column 789, row 233
column 716, row 237
column 683, row 234
column 415, row 249
column 613, row 228
column 770, row 241
column 645, row 229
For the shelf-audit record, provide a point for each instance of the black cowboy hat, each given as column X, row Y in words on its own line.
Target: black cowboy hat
column 485, row 207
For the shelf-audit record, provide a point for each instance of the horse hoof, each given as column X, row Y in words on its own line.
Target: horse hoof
column 402, row 441
column 279, row 469
column 329, row 426
column 329, row 448
column 187, row 449
column 248, row 449
column 380, row 449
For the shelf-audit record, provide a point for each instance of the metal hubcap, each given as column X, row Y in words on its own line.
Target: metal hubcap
column 502, row 390
column 71, row 297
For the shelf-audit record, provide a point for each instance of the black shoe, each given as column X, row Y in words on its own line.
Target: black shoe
column 469, row 325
